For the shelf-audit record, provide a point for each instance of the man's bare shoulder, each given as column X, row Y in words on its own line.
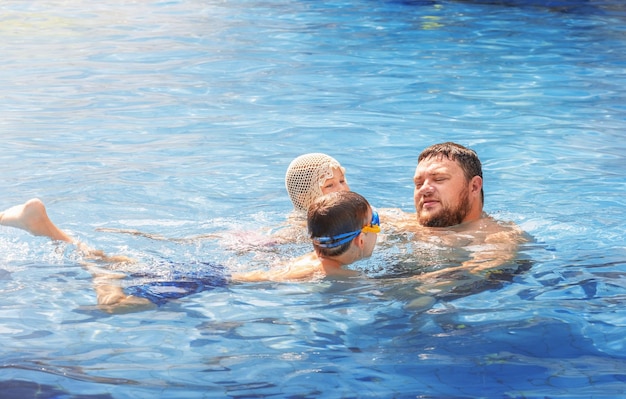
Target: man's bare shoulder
column 395, row 219
column 485, row 230
column 493, row 231
column 395, row 214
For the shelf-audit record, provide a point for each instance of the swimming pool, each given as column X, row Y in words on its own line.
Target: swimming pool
column 180, row 117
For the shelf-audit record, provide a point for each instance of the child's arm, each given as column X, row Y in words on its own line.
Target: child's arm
column 307, row 267
column 281, row 275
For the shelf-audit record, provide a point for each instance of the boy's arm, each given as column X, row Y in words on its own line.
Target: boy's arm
column 306, row 267
column 282, row 275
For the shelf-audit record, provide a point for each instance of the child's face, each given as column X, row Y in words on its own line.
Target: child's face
column 335, row 183
column 370, row 240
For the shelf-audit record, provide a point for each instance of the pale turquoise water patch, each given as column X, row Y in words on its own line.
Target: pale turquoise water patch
column 180, row 118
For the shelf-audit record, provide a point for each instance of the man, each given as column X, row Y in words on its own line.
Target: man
column 448, row 186
column 449, row 200
column 457, row 248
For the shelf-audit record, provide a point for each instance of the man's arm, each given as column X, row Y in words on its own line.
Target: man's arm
column 499, row 246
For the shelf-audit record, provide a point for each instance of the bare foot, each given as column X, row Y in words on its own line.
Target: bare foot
column 32, row 217
column 111, row 298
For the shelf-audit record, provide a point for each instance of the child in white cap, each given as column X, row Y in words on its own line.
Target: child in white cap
column 310, row 176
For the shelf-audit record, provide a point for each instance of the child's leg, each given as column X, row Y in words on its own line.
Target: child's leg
column 112, row 299
column 32, row 217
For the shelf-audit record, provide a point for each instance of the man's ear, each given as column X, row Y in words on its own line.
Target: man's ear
column 476, row 185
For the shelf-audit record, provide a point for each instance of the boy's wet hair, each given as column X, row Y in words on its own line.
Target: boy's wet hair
column 466, row 158
column 334, row 214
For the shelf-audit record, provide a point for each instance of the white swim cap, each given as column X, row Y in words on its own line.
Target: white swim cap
column 306, row 175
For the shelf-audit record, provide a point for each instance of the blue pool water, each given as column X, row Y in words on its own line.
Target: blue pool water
column 179, row 118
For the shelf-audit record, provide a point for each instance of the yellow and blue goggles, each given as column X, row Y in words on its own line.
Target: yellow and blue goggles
column 340, row 239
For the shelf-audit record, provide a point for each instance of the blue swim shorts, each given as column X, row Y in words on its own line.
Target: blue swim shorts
column 179, row 283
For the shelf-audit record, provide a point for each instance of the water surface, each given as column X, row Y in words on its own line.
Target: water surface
column 180, row 118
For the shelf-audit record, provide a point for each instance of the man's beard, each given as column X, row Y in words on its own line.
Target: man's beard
column 447, row 216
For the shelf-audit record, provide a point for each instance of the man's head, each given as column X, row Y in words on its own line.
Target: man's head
column 337, row 219
column 448, row 185
column 310, row 176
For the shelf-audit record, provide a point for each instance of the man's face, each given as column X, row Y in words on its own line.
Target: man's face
column 441, row 193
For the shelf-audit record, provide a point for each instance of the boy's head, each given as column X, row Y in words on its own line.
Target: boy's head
column 336, row 219
column 312, row 175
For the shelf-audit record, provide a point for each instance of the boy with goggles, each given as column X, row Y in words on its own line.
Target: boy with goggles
column 343, row 228
column 340, row 239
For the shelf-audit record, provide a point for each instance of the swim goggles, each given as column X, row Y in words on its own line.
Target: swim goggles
column 340, row 239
